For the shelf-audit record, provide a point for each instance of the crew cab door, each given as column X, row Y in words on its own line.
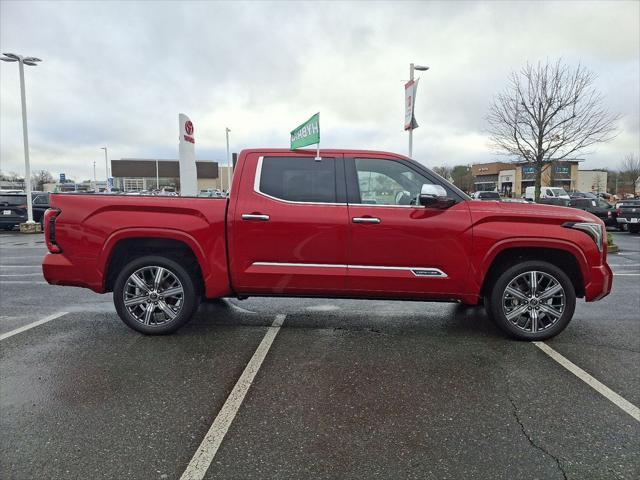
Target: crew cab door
column 398, row 248
column 290, row 225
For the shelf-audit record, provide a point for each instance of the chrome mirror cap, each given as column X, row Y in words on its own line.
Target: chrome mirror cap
column 433, row 190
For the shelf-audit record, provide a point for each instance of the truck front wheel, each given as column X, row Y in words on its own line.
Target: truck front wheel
column 532, row 300
column 155, row 295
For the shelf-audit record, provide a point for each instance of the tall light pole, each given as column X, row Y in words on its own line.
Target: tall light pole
column 106, row 167
column 94, row 172
column 227, row 130
column 412, row 68
column 22, row 61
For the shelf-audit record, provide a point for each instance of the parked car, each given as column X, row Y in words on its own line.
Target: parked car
column 211, row 193
column 13, row 208
column 599, row 207
column 546, row 193
column 486, row 196
column 295, row 226
column 628, row 214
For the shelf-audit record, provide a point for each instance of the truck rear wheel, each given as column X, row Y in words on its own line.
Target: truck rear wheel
column 155, row 295
column 532, row 300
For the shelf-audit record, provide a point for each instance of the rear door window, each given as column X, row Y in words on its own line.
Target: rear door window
column 299, row 179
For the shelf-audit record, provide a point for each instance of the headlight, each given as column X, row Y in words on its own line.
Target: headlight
column 594, row 230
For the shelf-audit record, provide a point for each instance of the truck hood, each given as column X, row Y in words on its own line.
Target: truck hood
column 535, row 211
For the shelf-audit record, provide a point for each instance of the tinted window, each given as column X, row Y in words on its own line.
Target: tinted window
column 12, row 200
column 299, row 179
column 41, row 200
column 385, row 182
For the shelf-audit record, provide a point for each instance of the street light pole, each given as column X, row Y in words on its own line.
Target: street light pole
column 412, row 68
column 227, row 130
column 106, row 167
column 94, row 172
column 31, row 61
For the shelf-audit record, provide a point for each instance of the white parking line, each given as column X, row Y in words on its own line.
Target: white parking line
column 207, row 450
column 626, row 274
column 19, row 274
column 31, row 325
column 30, row 282
column 20, row 266
column 599, row 387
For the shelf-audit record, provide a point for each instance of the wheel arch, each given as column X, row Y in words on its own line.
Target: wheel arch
column 121, row 248
column 568, row 258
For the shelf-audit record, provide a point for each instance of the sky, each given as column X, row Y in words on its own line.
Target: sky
column 117, row 74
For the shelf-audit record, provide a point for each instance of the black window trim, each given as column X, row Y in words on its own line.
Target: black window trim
column 353, row 186
column 340, row 186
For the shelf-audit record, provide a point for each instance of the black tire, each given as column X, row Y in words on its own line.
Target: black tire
column 633, row 228
column 189, row 301
column 494, row 305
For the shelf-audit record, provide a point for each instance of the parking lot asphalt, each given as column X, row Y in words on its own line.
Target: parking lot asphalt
column 348, row 389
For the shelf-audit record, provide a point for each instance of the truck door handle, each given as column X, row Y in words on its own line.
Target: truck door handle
column 365, row 220
column 255, row 216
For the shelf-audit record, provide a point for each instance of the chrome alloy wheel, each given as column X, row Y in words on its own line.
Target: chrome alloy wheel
column 533, row 301
column 153, row 295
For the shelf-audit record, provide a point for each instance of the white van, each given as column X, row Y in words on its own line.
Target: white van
column 546, row 192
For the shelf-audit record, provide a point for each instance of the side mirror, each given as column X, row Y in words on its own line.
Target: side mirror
column 434, row 196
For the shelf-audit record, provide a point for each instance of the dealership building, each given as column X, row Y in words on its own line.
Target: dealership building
column 135, row 174
column 512, row 179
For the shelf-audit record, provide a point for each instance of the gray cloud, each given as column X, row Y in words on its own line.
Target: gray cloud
column 118, row 73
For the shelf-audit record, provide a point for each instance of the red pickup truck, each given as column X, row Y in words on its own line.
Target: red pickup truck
column 353, row 224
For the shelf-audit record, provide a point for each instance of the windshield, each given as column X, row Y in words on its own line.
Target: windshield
column 559, row 192
column 495, row 195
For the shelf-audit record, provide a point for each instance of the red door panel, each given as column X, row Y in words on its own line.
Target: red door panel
column 284, row 246
column 399, row 248
column 412, row 250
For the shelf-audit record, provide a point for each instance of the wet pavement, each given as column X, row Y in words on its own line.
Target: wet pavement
column 348, row 389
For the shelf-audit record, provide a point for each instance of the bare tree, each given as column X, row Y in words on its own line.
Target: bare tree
column 462, row 177
column 40, row 177
column 630, row 170
column 549, row 112
column 443, row 171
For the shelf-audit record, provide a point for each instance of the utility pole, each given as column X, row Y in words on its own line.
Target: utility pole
column 106, row 167
column 227, row 130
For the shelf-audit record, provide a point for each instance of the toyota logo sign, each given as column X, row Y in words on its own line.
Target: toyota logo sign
column 188, row 127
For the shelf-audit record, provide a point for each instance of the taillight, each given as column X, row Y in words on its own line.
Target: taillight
column 50, row 216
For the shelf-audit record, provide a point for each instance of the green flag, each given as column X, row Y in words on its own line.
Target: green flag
column 306, row 134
